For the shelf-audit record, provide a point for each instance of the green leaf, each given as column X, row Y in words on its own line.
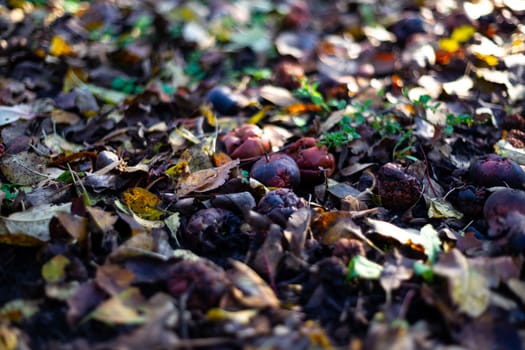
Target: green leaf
column 67, row 176
column 361, row 267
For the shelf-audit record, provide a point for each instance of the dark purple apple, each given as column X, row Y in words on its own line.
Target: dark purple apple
column 499, row 206
column 492, row 170
column 276, row 170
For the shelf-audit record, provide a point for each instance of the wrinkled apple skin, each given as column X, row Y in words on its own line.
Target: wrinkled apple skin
column 246, row 142
column 313, row 161
column 492, row 170
column 279, row 204
column 276, row 170
column 398, row 190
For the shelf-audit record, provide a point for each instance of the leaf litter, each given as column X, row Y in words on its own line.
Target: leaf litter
column 129, row 131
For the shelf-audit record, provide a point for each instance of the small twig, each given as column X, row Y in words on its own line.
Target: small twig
column 427, row 171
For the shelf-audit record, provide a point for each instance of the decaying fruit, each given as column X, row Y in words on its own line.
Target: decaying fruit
column 209, row 230
column 279, row 204
column 276, row 170
column 398, row 190
column 492, row 170
column 204, row 282
column 502, row 210
column 315, row 162
column 246, row 142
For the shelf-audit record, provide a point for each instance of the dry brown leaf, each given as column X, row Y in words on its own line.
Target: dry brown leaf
column 205, row 180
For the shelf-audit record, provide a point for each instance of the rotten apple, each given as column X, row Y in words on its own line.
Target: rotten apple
column 493, row 170
column 315, row 162
column 213, row 229
column 500, row 209
column 279, row 204
column 276, row 170
column 397, row 188
column 246, row 142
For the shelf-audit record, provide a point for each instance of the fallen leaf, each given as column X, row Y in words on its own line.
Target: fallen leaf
column 361, row 267
column 25, row 168
column 113, row 279
column 143, row 203
column 205, row 180
column 33, row 222
column 439, row 208
column 10, row 114
column 121, row 309
column 59, row 47
column 468, row 288
column 250, row 289
column 55, row 269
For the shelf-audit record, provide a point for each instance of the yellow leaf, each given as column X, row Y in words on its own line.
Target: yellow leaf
column 180, row 169
column 9, row 338
column 143, row 203
column 490, row 60
column 59, row 47
column 463, row 33
column 257, row 117
column 449, row 45
column 208, row 114
column 55, row 269
column 74, row 77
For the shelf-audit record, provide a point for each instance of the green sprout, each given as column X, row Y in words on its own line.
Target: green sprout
column 346, row 134
column 456, row 120
column 310, row 91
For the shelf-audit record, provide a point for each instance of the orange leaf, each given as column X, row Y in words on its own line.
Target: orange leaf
column 59, row 47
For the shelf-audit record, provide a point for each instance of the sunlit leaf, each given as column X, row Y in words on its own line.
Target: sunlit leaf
column 33, row 222
column 463, row 33
column 490, row 60
column 241, row 316
column 59, row 47
column 431, row 242
column 468, row 288
column 10, row 337
column 143, row 203
column 439, row 208
column 173, row 224
column 448, row 45
column 10, row 114
column 120, row 309
column 206, row 179
column 257, row 117
column 361, row 267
